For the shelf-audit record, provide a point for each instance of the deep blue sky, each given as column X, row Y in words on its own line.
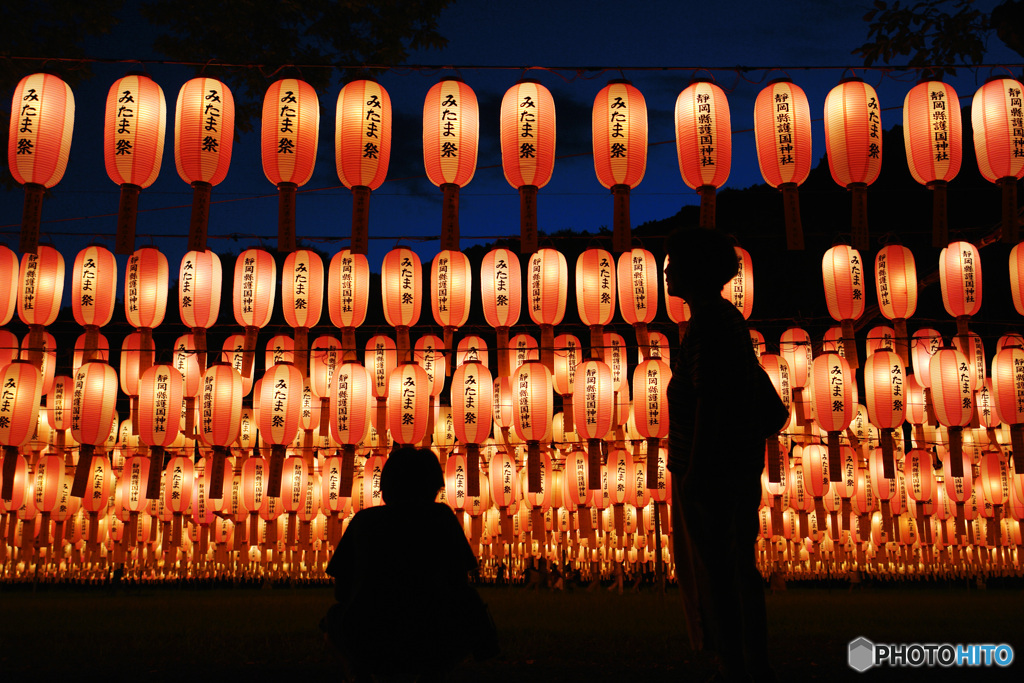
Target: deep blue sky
column 566, row 38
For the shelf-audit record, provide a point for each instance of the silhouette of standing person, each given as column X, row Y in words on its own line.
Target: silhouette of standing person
column 716, row 457
column 405, row 608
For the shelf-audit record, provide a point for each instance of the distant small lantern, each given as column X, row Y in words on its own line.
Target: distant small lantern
column 133, row 146
column 547, row 283
column 638, row 292
column 782, row 131
column 255, row 284
column 204, row 133
column 93, row 293
column 501, row 293
column 960, row 281
column 620, row 150
column 853, row 140
column 21, row 390
column 451, row 135
column 200, row 281
column 999, row 143
column 38, row 144
column 932, row 133
column 528, row 136
column 451, row 280
column 704, row 143
column 362, row 149
column 842, row 271
column 408, row 401
column 401, row 281
column 896, row 287
column 348, row 296
column 302, row 298
column 595, row 294
column 952, row 399
column 93, row 409
column 289, row 139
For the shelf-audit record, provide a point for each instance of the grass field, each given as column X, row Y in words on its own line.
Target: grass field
column 254, row 634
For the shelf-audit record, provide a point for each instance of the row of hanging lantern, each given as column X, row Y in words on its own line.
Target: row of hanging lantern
column 42, row 120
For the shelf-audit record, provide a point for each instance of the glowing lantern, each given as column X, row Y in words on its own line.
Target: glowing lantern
column 177, row 494
column 740, row 289
column 548, row 282
column 932, row 134
column 451, row 279
column 220, row 417
column 501, row 293
column 39, row 143
column 40, row 289
column 350, row 415
column 278, row 416
column 896, row 286
column 93, row 409
column 952, row 398
column 853, row 140
column 133, row 145
column 255, row 473
column 186, row 362
column 998, row 141
column 401, row 277
column 704, row 143
column 291, row 131
column 451, row 134
column 160, row 394
column 959, row 482
column 782, row 131
column 93, row 291
column 348, row 295
column 408, row 402
column 380, row 359
column 253, row 298
column 528, row 150
column 533, row 407
column 638, row 292
column 302, row 298
column 470, row 348
column 567, row 357
column 832, row 384
column 199, row 292
column 135, row 355
column 145, row 295
column 778, row 371
column 20, row 390
column 503, row 480
column 1008, row 396
column 960, row 279
column 362, row 149
column 885, row 400
column 204, row 133
column 620, row 150
column 650, row 408
column 843, row 274
column 9, row 268
column 595, row 294
column 326, row 359
column 595, row 393
column 472, row 397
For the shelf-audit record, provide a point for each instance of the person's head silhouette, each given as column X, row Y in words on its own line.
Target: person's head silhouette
column 700, row 262
column 411, row 476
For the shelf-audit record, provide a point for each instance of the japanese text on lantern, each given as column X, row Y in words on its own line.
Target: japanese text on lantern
column 836, row 380
column 449, row 126
column 280, row 396
column 348, row 280
column 442, row 283
column 855, row 276
column 653, row 397
column 968, row 271
column 590, row 395
column 527, row 121
column 7, row 402
column 135, row 481
column 211, row 110
column 29, row 116
column 408, row 400
column 706, row 129
column 965, row 384
column 874, row 122
column 286, row 120
column 58, row 403
column 507, row 472
column 571, row 361
column 883, row 280
column 371, row 129
column 940, row 126
column 523, row 389
column 1016, row 121
column 160, row 403
column 501, row 283
column 784, row 128
column 618, row 117
column 188, row 274
column 248, row 284
column 301, row 273
column 133, row 283
column 737, row 284
column 469, row 394
column 123, row 132
column 896, row 382
column 1018, row 382
column 639, row 283
column 76, row 402
column 28, row 291
column 207, row 404
column 341, row 406
column 89, row 270
column 536, row 298
column 407, row 285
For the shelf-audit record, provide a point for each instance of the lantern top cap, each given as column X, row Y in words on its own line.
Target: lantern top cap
column 1005, row 77
column 527, row 80
column 851, row 79
column 614, row 81
column 781, row 79
column 458, row 79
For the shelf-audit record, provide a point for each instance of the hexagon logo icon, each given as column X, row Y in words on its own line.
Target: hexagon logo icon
column 862, row 654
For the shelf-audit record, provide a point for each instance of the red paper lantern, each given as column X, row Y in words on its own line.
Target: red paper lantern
column 362, row 148
column 960, row 280
column 302, row 297
column 896, row 287
column 20, row 390
column 133, row 145
column 952, row 397
column 348, row 295
column 884, row 380
column 350, row 414
column 93, row 410
column 280, row 410
column 932, row 133
column 842, row 271
column 291, row 132
column 428, row 354
column 704, row 143
column 200, row 280
column 782, row 131
column 451, row 280
column 39, row 143
column 472, row 398
column 834, row 404
column 1008, row 396
column 620, row 150
column 638, row 291
column 401, row 280
column 255, row 283
column 998, row 141
column 145, row 294
column 568, row 354
column 501, row 294
column 533, row 408
column 471, row 348
column 41, row 287
column 451, row 135
column 9, row 281
column 161, row 390
column 853, row 140
column 408, row 401
column 93, row 292
column 595, row 289
column 528, row 135
column 503, row 480
column 594, row 393
column 220, row 417
column 548, row 278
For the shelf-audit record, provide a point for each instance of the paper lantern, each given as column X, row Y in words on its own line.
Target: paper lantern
column 740, row 289
column 255, row 493
column 39, row 143
column 401, row 277
column 145, row 294
column 471, row 347
column 638, row 292
column 1008, row 397
column 408, row 401
column 161, row 389
column 40, row 289
column 501, row 294
column 428, row 354
column 594, row 392
column 952, row 397
column 220, row 417
column 451, row 134
column 568, row 354
column 20, row 392
column 93, row 409
column 932, row 133
column 324, row 364
column 380, row 358
column 533, row 408
column 451, row 281
column 133, row 145
column 704, row 143
column 885, row 400
column 280, row 407
column 896, row 287
column 362, row 148
column 547, row 283
column 93, row 293
column 504, row 484
column 289, row 138
column 853, row 140
column 595, row 294
column 255, row 283
column 782, row 132
column 620, row 150
column 350, row 414
column 200, row 281
column 302, row 297
column 832, row 384
column 204, row 133
column 348, row 295
column 9, row 281
column 472, row 397
column 186, row 362
column 528, row 136
column 996, row 117
column 650, row 408
column 842, row 271
column 960, row 280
